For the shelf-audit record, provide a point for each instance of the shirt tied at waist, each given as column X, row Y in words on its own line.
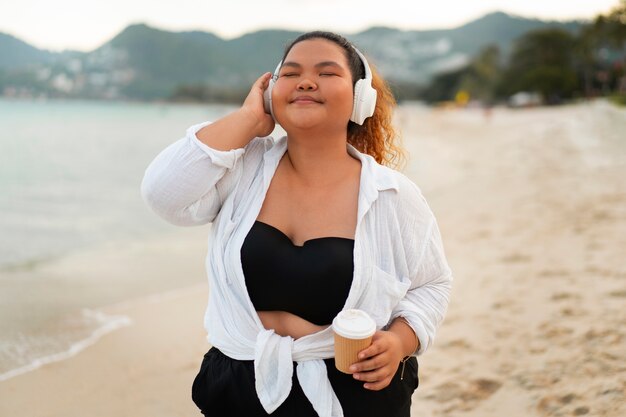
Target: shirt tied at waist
column 273, row 368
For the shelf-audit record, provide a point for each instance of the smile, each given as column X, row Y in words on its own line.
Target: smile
column 305, row 100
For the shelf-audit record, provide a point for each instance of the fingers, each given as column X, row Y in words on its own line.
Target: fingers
column 377, row 386
column 370, row 364
column 373, row 369
column 381, row 374
column 380, row 344
column 379, row 362
column 254, row 101
column 259, row 85
column 372, row 350
column 263, row 81
column 376, row 379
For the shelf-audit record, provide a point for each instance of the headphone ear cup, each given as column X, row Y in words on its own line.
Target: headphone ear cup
column 356, row 104
column 364, row 101
column 267, row 97
column 364, row 94
column 368, row 103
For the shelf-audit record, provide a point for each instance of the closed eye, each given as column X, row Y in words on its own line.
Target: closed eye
column 327, row 73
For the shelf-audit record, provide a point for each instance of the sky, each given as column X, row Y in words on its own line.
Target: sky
column 85, row 25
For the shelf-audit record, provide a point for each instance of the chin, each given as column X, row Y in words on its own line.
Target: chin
column 300, row 121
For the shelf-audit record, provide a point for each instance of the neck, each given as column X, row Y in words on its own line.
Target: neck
column 319, row 160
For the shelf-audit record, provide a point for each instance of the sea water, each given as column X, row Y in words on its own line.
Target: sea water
column 70, row 175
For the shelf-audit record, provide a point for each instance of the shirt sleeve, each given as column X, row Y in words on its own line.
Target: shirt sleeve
column 187, row 183
column 425, row 303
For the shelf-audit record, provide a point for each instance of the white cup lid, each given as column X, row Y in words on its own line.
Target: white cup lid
column 354, row 324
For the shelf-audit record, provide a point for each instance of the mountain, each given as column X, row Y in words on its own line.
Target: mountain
column 15, row 53
column 144, row 62
column 414, row 56
column 166, row 59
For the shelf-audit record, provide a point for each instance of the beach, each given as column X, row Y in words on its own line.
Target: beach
column 531, row 204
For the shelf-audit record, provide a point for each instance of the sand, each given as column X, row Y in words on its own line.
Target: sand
column 532, row 208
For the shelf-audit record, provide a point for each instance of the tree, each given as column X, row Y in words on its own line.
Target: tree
column 604, row 52
column 444, row 86
column 478, row 79
column 542, row 61
column 483, row 75
column 615, row 25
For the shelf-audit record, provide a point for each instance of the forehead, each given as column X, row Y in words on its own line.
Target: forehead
column 317, row 50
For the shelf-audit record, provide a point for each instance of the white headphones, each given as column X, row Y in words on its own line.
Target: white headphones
column 364, row 94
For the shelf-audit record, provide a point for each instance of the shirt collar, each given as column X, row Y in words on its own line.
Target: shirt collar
column 383, row 177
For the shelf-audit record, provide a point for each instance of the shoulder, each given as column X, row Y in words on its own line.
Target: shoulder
column 406, row 194
column 267, row 144
column 411, row 211
column 409, row 193
column 254, row 152
column 396, row 191
column 261, row 144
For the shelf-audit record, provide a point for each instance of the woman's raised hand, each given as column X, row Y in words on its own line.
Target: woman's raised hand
column 253, row 106
column 237, row 129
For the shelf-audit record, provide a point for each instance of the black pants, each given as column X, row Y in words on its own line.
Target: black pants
column 224, row 387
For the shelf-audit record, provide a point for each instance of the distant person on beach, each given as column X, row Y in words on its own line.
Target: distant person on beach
column 303, row 227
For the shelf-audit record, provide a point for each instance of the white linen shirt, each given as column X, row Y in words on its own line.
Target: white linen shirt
column 399, row 264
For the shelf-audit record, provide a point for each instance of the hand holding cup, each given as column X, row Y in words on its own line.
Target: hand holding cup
column 353, row 330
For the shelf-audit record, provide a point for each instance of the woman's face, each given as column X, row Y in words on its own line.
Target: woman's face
column 314, row 87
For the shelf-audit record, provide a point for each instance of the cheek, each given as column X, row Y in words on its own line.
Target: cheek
column 345, row 99
column 344, row 93
column 280, row 89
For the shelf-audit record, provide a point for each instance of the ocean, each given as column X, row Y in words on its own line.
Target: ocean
column 70, row 175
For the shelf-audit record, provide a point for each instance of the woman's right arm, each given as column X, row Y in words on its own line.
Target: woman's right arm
column 188, row 181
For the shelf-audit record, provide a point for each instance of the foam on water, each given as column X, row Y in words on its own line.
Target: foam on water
column 105, row 324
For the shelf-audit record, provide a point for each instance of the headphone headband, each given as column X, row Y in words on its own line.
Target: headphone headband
column 368, row 71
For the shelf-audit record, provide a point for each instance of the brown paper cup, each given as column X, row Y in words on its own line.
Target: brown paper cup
column 346, row 351
column 354, row 330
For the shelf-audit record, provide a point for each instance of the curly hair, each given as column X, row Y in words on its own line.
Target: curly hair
column 376, row 136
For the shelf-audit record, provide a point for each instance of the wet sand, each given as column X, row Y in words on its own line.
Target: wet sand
column 532, row 208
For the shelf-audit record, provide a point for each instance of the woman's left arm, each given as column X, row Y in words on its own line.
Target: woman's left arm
column 425, row 304
column 414, row 320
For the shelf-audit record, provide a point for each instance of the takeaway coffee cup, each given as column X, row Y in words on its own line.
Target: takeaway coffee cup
column 353, row 331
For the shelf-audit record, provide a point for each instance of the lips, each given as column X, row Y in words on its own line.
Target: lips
column 305, row 99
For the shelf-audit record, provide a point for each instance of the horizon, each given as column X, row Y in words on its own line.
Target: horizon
column 57, row 32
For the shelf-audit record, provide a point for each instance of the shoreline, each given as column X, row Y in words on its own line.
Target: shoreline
column 54, row 309
column 140, row 362
column 110, row 324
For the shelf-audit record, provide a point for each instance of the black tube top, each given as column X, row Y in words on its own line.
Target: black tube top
column 311, row 281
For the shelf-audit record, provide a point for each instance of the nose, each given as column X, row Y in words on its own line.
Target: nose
column 306, row 85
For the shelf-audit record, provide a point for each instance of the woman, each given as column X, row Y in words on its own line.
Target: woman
column 303, row 227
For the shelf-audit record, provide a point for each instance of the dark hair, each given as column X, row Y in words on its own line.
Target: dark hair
column 376, row 136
